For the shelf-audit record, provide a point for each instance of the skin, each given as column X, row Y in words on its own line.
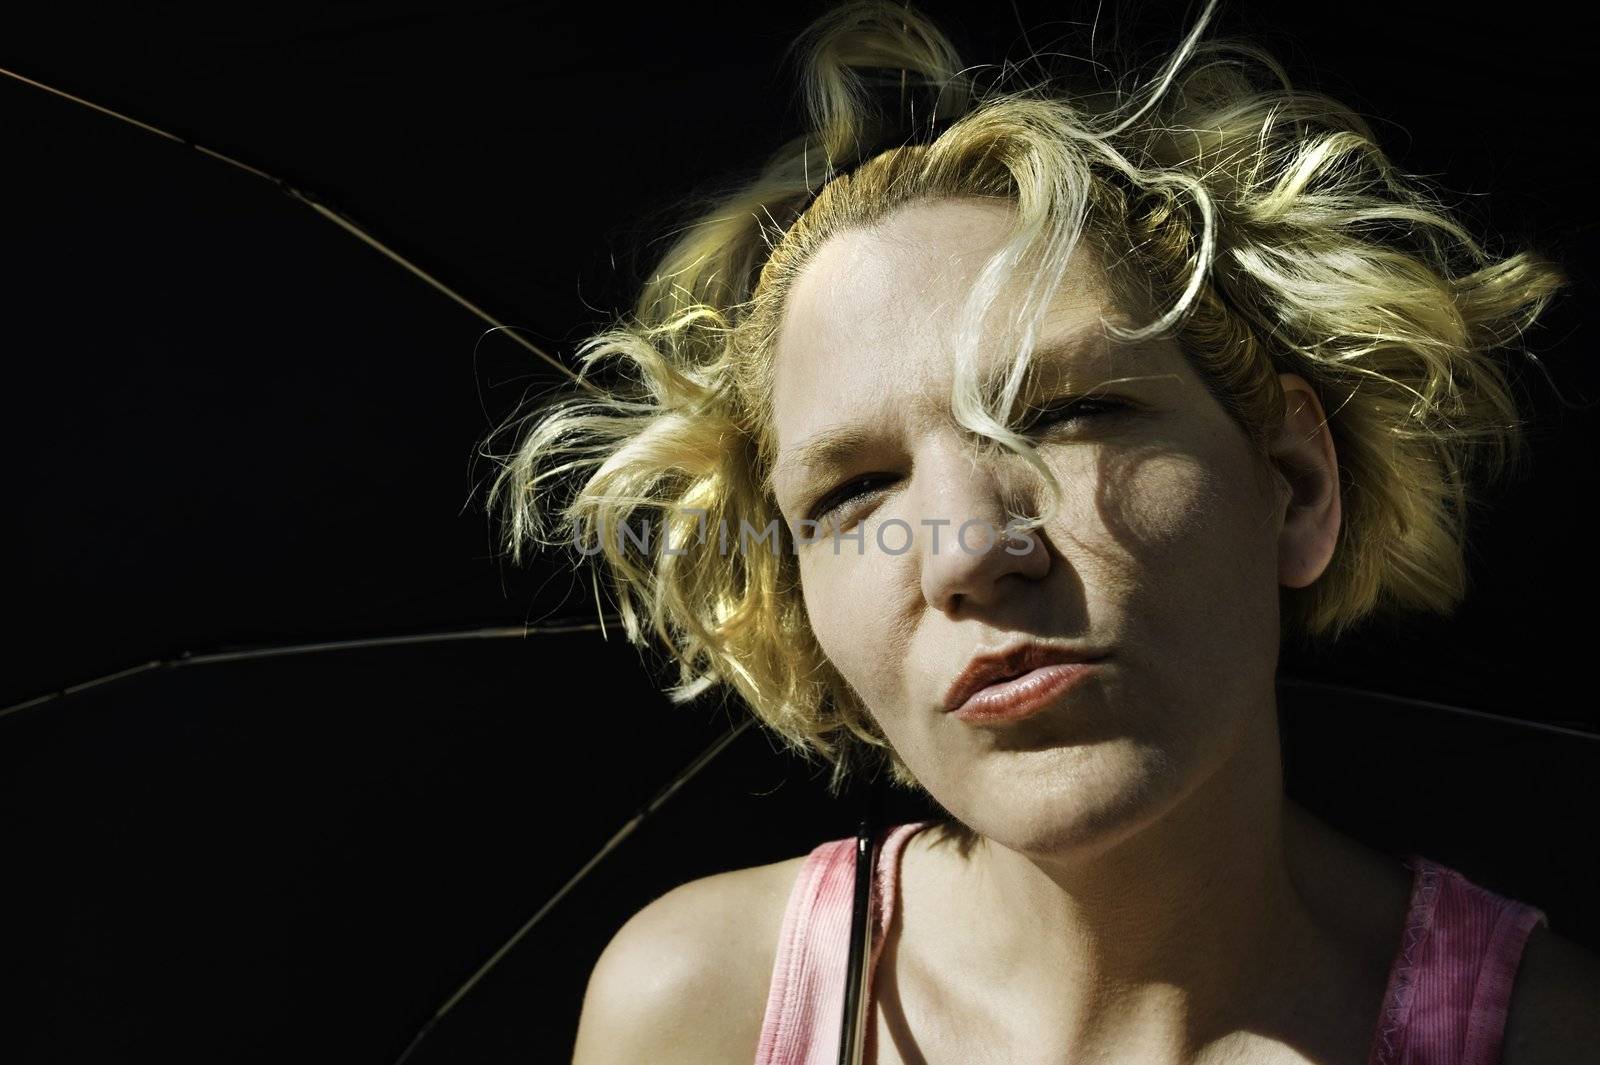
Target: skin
column 1137, row 895
column 1142, row 890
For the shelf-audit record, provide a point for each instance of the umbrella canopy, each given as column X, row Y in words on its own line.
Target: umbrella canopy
column 230, row 423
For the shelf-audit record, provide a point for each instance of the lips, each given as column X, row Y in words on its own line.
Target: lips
column 994, row 669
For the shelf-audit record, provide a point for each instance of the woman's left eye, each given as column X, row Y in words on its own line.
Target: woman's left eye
column 1071, row 409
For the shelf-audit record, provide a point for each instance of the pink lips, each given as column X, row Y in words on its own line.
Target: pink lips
column 1018, row 682
column 1024, row 696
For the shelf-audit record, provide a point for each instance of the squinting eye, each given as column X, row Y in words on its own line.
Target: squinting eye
column 843, row 494
column 1062, row 411
column 1070, row 409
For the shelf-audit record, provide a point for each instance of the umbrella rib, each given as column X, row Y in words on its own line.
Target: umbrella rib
column 683, row 776
column 190, row 658
column 240, row 654
column 314, row 202
column 1429, row 704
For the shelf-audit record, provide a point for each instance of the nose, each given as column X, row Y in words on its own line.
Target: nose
column 970, row 558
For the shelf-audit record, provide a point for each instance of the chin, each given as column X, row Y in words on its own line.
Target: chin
column 1067, row 802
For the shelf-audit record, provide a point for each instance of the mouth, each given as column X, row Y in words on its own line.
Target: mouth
column 1024, row 696
column 1019, row 682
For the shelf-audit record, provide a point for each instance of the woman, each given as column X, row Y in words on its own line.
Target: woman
column 1066, row 409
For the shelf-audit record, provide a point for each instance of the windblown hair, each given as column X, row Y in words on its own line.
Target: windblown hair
column 1260, row 226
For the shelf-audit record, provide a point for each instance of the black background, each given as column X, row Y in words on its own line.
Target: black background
column 229, row 423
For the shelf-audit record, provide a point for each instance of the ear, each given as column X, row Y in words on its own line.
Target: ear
column 1304, row 456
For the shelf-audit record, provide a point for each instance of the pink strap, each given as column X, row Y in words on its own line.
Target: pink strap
column 1451, row 981
column 1446, row 1001
column 805, row 1001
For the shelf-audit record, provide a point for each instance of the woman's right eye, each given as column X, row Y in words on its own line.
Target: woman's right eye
column 845, row 493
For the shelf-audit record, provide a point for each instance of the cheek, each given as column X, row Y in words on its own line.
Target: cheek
column 1171, row 513
column 1196, row 569
column 1186, row 500
column 838, row 621
column 849, row 603
column 1150, row 522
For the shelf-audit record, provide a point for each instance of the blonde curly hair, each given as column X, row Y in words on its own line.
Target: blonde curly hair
column 1259, row 225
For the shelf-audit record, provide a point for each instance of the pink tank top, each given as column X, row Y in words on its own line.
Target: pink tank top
column 1449, row 984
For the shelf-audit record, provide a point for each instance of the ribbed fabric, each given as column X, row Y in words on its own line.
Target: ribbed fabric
column 805, row 1004
column 1450, row 983
column 1445, row 1004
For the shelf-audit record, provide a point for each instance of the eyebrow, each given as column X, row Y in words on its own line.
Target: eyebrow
column 830, row 447
column 823, row 451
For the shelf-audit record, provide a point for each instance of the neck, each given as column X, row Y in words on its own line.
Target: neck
column 1154, row 946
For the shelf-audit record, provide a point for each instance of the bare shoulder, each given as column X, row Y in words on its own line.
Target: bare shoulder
column 1554, row 1015
column 685, row 979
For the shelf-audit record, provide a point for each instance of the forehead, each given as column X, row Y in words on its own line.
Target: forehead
column 869, row 324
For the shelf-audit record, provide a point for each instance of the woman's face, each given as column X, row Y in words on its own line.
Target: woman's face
column 1165, row 554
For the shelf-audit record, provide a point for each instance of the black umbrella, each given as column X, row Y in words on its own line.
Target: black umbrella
column 236, row 426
